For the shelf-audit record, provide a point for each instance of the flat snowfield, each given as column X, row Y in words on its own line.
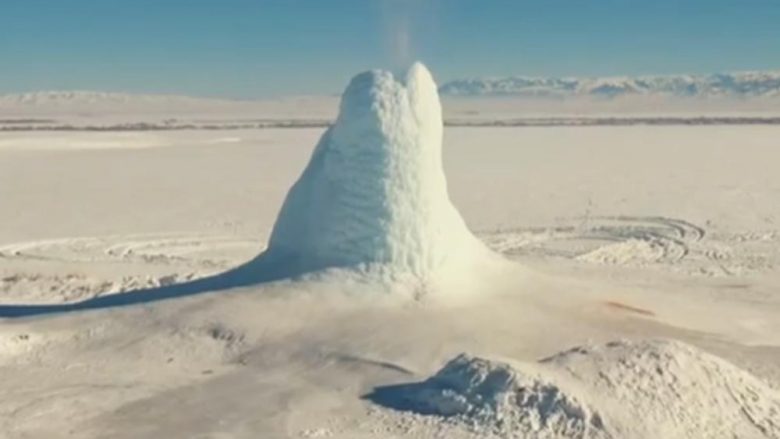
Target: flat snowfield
column 618, row 233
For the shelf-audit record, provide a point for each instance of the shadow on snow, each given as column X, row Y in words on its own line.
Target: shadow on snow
column 262, row 269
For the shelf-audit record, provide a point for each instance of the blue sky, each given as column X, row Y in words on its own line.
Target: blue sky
column 258, row 48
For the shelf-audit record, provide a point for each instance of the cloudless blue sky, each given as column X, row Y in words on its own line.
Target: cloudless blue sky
column 257, row 48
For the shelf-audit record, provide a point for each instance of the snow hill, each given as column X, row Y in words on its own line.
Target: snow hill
column 739, row 85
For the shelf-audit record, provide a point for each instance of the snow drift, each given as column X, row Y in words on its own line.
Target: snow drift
column 639, row 389
column 374, row 196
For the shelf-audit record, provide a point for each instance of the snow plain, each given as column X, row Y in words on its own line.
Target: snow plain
column 638, row 232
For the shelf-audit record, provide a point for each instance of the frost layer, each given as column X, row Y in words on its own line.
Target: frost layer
column 374, row 194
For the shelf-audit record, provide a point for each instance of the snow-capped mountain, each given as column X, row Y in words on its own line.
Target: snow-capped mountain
column 739, row 85
column 101, row 103
column 78, row 97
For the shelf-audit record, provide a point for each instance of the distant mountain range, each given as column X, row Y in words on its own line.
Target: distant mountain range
column 99, row 104
column 729, row 85
column 79, row 97
column 741, row 85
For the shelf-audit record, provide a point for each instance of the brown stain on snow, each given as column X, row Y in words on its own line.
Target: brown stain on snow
column 620, row 306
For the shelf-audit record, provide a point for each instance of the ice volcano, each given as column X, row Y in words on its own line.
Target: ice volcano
column 371, row 206
column 373, row 197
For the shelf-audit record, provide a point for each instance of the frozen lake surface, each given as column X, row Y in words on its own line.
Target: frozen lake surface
column 625, row 232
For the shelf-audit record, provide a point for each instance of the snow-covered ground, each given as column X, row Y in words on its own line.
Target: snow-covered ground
column 114, row 112
column 635, row 233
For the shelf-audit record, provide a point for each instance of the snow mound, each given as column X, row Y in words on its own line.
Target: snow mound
column 500, row 397
column 374, row 195
column 677, row 390
column 639, row 389
column 631, row 251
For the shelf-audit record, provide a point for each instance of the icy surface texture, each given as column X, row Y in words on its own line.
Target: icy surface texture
column 374, row 194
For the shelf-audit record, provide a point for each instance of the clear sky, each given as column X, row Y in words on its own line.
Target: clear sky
column 258, row 48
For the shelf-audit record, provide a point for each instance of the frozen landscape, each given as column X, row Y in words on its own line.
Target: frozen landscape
column 179, row 267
